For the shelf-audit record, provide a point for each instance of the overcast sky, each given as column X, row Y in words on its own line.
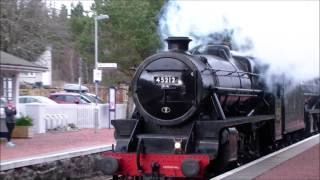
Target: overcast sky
column 285, row 34
column 58, row 3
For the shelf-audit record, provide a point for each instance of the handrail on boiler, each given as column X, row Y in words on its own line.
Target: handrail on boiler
column 240, row 73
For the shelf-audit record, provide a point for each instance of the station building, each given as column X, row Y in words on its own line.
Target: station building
column 10, row 69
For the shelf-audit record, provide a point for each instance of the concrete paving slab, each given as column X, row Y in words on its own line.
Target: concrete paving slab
column 266, row 163
column 50, row 142
column 54, row 156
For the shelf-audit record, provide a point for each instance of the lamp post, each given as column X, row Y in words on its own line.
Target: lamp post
column 96, row 18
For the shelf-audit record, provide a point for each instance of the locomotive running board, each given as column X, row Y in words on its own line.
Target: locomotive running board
column 247, row 119
column 211, row 128
column 313, row 111
column 237, row 90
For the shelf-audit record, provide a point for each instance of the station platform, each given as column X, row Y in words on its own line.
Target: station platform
column 53, row 146
column 299, row 161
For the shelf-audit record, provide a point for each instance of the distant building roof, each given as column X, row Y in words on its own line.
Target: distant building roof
column 11, row 62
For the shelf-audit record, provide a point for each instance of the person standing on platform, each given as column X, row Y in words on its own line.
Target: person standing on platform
column 10, row 111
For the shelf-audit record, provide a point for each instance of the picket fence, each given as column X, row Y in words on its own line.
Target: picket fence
column 49, row 116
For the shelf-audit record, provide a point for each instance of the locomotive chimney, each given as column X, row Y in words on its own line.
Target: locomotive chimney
column 178, row 43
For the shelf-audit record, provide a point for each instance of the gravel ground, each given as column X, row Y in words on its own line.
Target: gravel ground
column 99, row 178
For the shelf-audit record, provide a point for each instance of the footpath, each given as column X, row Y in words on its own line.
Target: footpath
column 53, row 142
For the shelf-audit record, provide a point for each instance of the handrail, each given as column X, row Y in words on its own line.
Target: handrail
column 238, row 90
column 231, row 72
column 160, row 70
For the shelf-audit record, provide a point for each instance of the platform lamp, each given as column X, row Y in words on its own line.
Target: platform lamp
column 97, row 78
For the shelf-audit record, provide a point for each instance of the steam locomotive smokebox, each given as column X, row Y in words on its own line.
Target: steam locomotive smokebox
column 178, row 43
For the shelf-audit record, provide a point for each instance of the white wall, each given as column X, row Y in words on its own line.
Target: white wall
column 28, row 77
column 44, row 60
column 47, row 116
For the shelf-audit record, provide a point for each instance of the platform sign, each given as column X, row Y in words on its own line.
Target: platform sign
column 112, row 105
column 97, row 75
column 112, row 98
column 108, row 65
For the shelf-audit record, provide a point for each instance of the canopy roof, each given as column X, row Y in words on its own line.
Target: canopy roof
column 11, row 62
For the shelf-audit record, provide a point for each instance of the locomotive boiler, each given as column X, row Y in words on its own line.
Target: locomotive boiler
column 200, row 111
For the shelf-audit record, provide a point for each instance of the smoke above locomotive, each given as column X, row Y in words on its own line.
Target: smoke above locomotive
column 283, row 35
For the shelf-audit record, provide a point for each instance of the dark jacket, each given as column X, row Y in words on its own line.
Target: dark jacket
column 10, row 113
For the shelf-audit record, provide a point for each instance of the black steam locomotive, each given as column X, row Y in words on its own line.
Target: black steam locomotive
column 200, row 111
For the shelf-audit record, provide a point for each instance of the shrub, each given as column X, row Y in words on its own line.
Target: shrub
column 24, row 121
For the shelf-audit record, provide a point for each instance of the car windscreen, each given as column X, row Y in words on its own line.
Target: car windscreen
column 85, row 100
column 2, row 102
column 93, row 98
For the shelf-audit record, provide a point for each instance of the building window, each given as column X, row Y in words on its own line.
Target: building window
column 7, row 88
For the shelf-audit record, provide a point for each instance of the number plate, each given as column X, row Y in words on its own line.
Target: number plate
column 166, row 80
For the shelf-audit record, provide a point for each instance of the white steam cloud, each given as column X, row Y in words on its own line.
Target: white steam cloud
column 284, row 34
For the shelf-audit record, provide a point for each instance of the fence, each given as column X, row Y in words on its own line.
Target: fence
column 49, row 116
column 121, row 90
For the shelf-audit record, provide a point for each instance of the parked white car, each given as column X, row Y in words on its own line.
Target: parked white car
column 75, row 88
column 35, row 99
column 2, row 105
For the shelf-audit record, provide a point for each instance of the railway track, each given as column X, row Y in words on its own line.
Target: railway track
column 277, row 149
